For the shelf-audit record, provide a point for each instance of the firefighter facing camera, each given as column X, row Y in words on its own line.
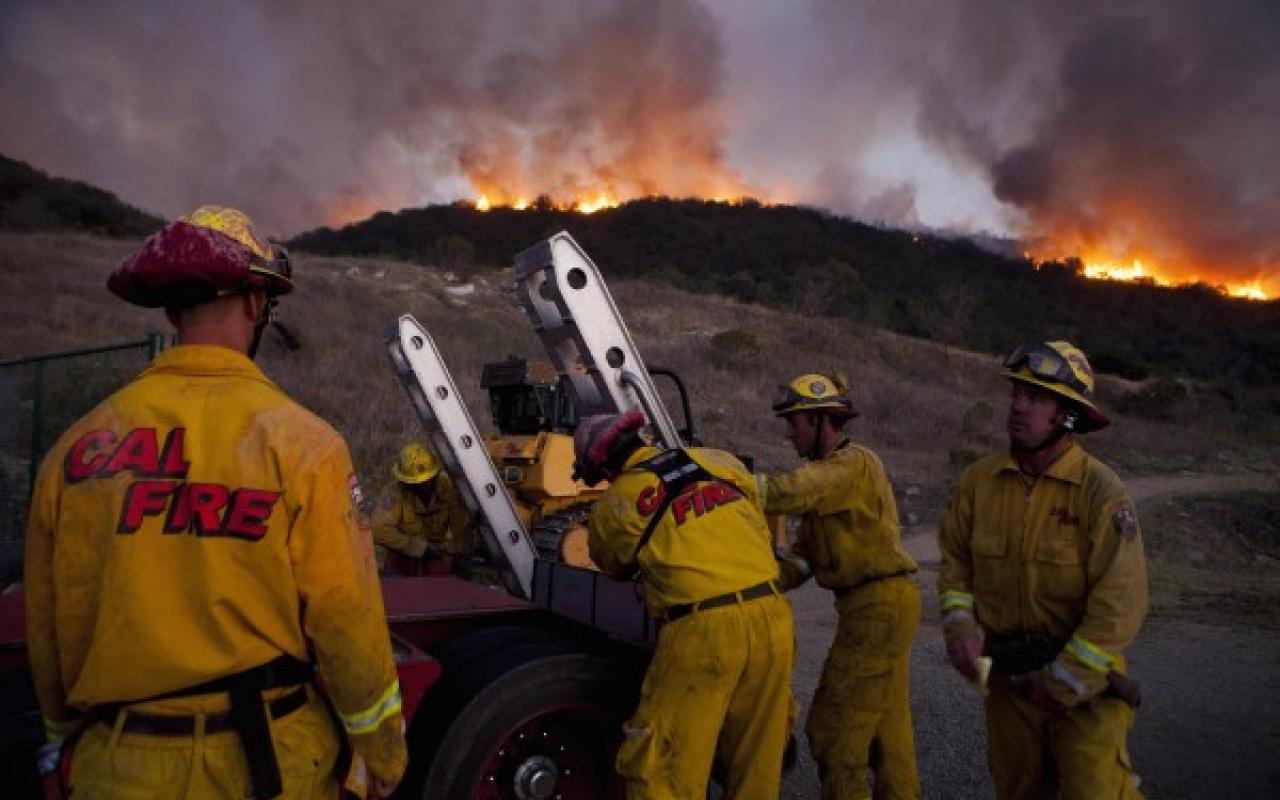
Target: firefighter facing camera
column 422, row 526
column 194, row 565
column 689, row 522
column 1043, row 577
column 849, row 541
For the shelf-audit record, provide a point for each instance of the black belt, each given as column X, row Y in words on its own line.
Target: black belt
column 247, row 717
column 728, row 598
column 1020, row 652
column 185, row 724
column 844, row 590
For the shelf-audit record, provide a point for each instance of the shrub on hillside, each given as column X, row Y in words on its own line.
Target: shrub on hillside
column 1159, row 400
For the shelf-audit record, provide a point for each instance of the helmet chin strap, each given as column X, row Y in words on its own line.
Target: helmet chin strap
column 264, row 319
column 819, row 430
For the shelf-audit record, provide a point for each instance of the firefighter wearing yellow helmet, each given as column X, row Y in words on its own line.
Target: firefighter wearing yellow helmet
column 193, row 560
column 689, row 522
column 1043, row 573
column 850, row 542
column 423, row 525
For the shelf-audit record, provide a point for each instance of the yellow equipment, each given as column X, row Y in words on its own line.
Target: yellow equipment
column 533, row 449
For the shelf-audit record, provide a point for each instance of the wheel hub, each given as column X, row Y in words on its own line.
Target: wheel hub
column 535, row 778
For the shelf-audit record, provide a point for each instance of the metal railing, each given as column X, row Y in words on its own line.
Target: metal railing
column 40, row 396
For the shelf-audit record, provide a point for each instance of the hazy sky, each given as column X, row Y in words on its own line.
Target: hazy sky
column 1141, row 128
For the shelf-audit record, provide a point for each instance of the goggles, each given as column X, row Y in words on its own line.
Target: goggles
column 278, row 265
column 1047, row 364
column 823, row 396
column 786, row 396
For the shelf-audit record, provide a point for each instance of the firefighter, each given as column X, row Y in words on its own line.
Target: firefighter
column 850, row 542
column 689, row 523
column 423, row 525
column 1043, row 572
column 193, row 560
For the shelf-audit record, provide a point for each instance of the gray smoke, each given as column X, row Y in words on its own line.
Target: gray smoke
column 305, row 112
column 1149, row 127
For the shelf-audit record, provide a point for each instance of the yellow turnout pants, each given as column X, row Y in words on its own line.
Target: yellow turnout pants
column 860, row 722
column 108, row 764
column 717, row 676
column 1079, row 754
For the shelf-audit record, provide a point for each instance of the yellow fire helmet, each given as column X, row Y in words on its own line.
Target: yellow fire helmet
column 417, row 464
column 210, row 252
column 815, row 392
column 1059, row 367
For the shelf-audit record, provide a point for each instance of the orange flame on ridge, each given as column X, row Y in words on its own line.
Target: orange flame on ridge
column 1137, row 269
column 584, row 203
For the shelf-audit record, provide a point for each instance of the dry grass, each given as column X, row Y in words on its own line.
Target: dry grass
column 924, row 409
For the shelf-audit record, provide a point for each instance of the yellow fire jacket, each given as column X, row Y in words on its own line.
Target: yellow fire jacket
column 1058, row 555
column 849, row 530
column 195, row 524
column 407, row 525
column 712, row 539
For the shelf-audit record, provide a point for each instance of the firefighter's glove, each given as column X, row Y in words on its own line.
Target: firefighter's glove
column 795, row 570
column 963, row 651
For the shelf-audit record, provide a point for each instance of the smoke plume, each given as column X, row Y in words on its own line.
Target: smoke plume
column 306, row 112
column 1146, row 129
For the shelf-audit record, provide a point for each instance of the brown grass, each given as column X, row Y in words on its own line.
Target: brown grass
column 924, row 409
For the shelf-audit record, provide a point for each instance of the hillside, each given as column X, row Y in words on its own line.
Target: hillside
column 31, row 200
column 946, row 290
column 926, row 407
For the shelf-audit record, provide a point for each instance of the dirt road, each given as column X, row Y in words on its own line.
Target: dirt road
column 1209, row 727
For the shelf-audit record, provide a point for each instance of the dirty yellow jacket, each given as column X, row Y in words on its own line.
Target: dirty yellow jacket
column 849, row 530
column 712, row 539
column 195, row 524
column 407, row 525
column 1058, row 555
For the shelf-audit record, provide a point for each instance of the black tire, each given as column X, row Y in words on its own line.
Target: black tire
column 469, row 662
column 561, row 710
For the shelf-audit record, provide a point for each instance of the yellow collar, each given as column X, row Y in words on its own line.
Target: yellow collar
column 205, row 359
column 1068, row 467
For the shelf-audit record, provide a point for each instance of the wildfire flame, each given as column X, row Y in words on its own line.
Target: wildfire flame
column 585, row 203
column 1139, row 270
column 588, row 203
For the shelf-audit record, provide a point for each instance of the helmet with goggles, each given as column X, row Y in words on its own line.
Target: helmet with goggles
column 1062, row 369
column 815, row 392
column 210, row 252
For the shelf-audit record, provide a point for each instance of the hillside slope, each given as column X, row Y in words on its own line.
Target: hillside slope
column 925, row 407
column 947, row 290
column 31, row 200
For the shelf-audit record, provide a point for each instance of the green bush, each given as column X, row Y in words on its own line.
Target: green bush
column 1159, row 400
column 734, row 348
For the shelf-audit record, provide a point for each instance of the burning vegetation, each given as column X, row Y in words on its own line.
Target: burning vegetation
column 1103, row 265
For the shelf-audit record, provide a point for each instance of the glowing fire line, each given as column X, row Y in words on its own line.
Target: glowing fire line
column 588, row 203
column 1139, row 272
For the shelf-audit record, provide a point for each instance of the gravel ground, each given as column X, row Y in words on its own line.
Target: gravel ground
column 1209, row 726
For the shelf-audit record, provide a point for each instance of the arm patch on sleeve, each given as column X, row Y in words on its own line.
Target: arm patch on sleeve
column 358, row 502
column 1125, row 521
